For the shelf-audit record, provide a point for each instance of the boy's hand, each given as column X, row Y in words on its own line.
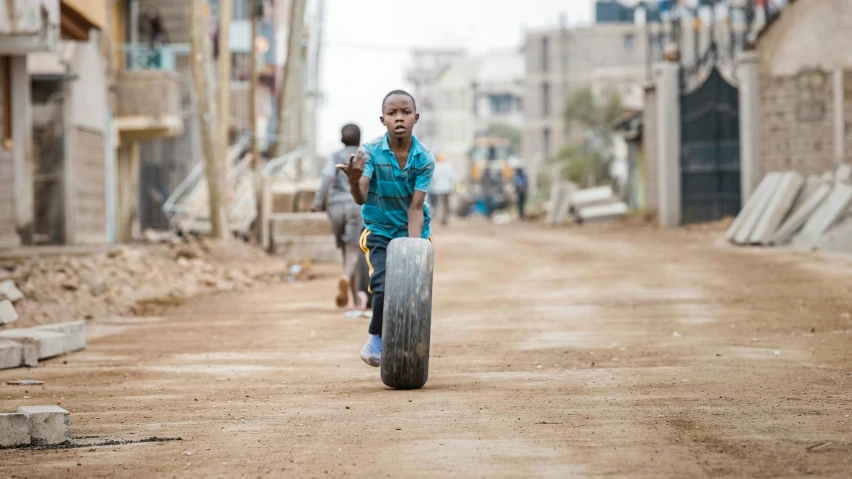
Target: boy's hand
column 355, row 169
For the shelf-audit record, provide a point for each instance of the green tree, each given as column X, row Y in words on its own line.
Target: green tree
column 590, row 125
column 507, row 131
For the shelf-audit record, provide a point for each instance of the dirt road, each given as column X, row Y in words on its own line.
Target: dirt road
column 579, row 352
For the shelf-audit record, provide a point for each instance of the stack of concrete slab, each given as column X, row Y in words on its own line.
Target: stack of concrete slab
column 26, row 346
column 590, row 205
column 805, row 213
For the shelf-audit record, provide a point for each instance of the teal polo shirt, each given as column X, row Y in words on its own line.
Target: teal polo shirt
column 391, row 188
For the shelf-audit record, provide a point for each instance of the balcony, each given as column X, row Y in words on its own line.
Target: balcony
column 29, row 26
column 149, row 106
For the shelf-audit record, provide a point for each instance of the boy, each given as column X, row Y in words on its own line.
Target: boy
column 344, row 215
column 390, row 177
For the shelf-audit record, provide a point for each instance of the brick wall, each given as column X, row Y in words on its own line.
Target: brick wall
column 90, row 221
column 649, row 146
column 797, row 123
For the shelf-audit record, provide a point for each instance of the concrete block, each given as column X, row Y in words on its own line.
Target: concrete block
column 557, row 193
column 304, row 199
column 48, row 424
column 600, row 213
column 598, row 194
column 838, row 238
column 283, row 199
column 777, row 208
column 299, row 224
column 565, row 201
column 47, row 343
column 800, row 215
column 7, row 312
column 318, row 249
column 10, row 291
column 14, row 430
column 843, row 174
column 825, row 216
column 751, row 203
column 750, row 221
column 74, row 331
column 11, row 354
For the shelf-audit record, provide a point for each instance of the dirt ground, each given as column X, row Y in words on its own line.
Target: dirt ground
column 578, row 352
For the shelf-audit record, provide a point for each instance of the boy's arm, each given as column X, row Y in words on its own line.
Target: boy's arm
column 421, row 187
column 416, row 215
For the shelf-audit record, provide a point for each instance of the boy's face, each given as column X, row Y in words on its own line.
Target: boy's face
column 399, row 116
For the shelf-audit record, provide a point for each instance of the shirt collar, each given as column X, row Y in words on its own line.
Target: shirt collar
column 415, row 145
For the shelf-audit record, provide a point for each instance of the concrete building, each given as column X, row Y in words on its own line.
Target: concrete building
column 427, row 66
column 500, row 90
column 471, row 95
column 53, row 121
column 454, row 113
column 561, row 60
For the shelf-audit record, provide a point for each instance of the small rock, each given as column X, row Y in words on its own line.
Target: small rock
column 777, row 353
column 677, row 334
column 71, row 285
column 10, row 291
column 7, row 312
column 25, row 382
column 187, row 453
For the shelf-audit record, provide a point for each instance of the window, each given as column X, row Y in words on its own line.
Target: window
column 545, row 54
column 545, row 142
column 545, row 100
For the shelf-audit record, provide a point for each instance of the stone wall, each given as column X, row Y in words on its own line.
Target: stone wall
column 797, row 122
column 649, row 147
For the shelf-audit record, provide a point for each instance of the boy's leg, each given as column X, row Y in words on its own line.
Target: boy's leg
column 375, row 249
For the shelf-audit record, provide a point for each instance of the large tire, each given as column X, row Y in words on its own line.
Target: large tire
column 407, row 313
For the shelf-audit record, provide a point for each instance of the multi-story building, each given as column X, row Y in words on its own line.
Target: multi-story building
column 473, row 94
column 561, row 60
column 427, row 66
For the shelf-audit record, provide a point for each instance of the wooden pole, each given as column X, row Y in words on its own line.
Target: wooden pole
column 286, row 100
column 224, row 110
column 255, row 154
column 206, row 117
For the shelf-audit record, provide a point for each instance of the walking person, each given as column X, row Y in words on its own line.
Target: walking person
column 344, row 216
column 443, row 184
column 522, row 186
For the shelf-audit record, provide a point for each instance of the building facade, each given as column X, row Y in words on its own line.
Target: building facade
column 426, row 68
column 562, row 60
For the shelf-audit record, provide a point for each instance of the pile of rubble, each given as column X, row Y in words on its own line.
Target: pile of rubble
column 813, row 213
column 135, row 279
column 588, row 205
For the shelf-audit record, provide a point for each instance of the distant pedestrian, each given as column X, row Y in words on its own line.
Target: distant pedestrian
column 443, row 184
column 522, row 186
column 344, row 215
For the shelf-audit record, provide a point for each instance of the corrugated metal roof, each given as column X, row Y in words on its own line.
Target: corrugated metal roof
column 58, row 63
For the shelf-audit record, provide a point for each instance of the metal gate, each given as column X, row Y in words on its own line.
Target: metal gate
column 710, row 151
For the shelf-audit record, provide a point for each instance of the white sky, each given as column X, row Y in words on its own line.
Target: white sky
column 368, row 43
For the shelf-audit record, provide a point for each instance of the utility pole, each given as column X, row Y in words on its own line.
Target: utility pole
column 255, row 153
column 287, row 107
column 225, row 14
column 206, row 116
column 313, row 90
